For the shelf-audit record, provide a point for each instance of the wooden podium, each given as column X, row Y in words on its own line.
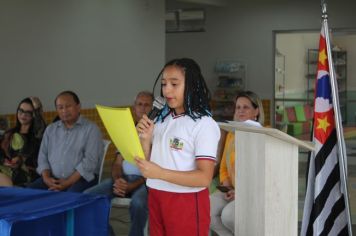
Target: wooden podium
column 266, row 167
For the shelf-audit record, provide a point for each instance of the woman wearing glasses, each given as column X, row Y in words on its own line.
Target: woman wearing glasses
column 19, row 148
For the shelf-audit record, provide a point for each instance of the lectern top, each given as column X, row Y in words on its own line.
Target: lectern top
column 232, row 126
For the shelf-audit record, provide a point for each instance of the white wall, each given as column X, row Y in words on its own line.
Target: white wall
column 244, row 30
column 105, row 50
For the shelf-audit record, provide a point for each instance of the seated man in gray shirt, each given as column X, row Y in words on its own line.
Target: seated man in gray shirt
column 127, row 180
column 71, row 149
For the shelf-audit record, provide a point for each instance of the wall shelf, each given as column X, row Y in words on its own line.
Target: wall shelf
column 230, row 79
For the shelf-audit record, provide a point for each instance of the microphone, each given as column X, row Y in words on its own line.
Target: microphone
column 158, row 104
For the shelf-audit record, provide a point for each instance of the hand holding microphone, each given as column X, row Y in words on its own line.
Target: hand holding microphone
column 158, row 104
column 146, row 124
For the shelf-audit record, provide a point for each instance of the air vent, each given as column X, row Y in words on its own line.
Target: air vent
column 185, row 20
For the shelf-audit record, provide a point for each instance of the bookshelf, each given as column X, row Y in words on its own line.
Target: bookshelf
column 230, row 79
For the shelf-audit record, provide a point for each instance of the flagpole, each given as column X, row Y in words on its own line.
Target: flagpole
column 339, row 131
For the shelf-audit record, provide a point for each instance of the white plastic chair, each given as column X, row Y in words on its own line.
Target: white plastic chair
column 106, row 146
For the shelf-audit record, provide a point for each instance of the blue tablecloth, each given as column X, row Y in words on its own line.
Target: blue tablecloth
column 39, row 212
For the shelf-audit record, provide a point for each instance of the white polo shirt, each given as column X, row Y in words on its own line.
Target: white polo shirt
column 178, row 142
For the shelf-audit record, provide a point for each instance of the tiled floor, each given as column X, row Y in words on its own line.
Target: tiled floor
column 120, row 221
column 120, row 218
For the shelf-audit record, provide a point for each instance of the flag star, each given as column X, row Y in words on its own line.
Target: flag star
column 322, row 57
column 323, row 124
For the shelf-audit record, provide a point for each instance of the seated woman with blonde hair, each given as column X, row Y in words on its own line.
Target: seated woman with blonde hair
column 222, row 202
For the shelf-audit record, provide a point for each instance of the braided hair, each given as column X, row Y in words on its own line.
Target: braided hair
column 196, row 93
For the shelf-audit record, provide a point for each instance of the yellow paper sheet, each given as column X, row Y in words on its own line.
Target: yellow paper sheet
column 121, row 128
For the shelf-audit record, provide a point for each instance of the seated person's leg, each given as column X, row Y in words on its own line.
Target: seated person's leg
column 82, row 185
column 228, row 216
column 5, row 181
column 138, row 211
column 38, row 183
column 138, row 206
column 105, row 188
column 217, row 204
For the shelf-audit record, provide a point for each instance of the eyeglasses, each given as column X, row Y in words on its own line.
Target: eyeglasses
column 24, row 112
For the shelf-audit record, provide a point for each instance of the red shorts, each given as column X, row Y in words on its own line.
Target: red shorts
column 177, row 214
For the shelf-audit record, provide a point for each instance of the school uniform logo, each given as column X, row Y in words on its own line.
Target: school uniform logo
column 176, row 144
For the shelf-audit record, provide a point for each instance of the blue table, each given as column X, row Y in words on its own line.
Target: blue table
column 40, row 212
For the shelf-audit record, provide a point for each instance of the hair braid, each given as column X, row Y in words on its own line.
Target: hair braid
column 196, row 93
